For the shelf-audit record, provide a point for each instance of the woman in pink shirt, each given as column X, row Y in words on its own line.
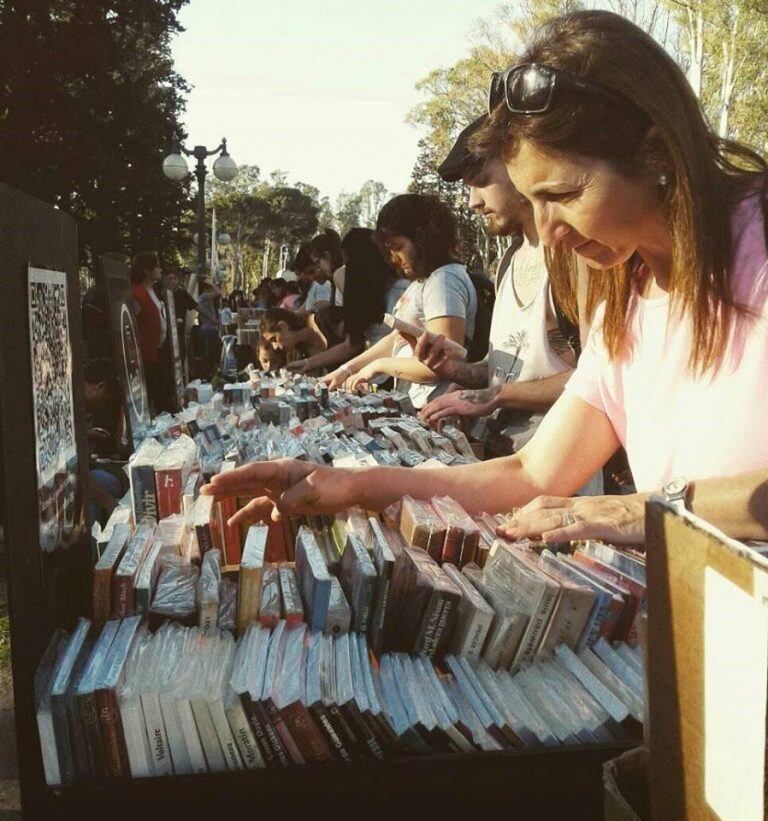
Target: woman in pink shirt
column 600, row 130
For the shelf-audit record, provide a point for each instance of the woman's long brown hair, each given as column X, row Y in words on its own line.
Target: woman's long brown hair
column 660, row 128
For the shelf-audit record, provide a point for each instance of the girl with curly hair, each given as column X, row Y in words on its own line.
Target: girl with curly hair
column 419, row 233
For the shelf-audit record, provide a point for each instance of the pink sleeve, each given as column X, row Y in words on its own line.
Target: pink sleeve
column 587, row 380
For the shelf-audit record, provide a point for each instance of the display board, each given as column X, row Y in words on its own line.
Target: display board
column 125, row 340
column 43, row 444
column 707, row 670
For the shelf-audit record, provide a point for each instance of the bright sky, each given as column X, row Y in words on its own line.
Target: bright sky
column 317, row 88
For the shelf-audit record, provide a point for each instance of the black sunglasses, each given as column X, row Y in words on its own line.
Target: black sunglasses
column 530, row 88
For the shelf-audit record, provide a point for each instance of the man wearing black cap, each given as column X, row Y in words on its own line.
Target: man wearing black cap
column 529, row 360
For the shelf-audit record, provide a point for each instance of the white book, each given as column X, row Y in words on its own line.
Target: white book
column 613, row 705
column 224, row 732
column 176, row 743
column 135, row 733
column 156, row 735
column 208, row 736
column 191, row 737
column 243, row 734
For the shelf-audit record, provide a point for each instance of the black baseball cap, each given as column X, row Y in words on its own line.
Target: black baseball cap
column 460, row 159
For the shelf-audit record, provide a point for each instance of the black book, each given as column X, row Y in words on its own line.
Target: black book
column 85, row 700
column 313, row 698
column 348, row 705
column 272, row 750
column 330, row 700
column 70, row 741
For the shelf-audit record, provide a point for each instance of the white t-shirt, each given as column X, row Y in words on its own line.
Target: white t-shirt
column 519, row 344
column 674, row 423
column 161, row 309
column 321, row 292
column 447, row 291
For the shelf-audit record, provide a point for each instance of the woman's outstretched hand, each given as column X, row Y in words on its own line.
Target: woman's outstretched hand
column 617, row 519
column 285, row 486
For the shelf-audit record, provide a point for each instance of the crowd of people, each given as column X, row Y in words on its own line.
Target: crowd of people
column 618, row 349
column 642, row 239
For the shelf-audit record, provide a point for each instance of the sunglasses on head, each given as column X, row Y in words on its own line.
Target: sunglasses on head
column 530, row 88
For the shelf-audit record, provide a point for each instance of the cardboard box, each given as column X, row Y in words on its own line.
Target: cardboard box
column 707, row 664
column 626, row 787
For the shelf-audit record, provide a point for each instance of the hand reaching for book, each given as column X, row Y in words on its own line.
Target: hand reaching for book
column 459, row 402
column 436, row 355
column 287, row 486
column 617, row 519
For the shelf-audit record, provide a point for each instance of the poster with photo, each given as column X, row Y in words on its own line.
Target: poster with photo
column 132, row 375
column 53, row 406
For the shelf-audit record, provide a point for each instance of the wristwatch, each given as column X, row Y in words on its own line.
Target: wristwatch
column 675, row 493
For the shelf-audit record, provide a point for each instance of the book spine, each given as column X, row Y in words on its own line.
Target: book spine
column 345, row 732
column 425, row 641
column 452, row 546
column 355, row 719
column 158, row 741
column 278, row 753
column 335, row 742
column 87, row 710
column 132, row 719
column 144, row 493
column 303, row 729
column 102, row 596
column 289, row 742
column 123, row 605
column 115, row 752
column 230, row 535
column 244, row 737
column 168, row 488
column 471, row 633
column 182, row 762
column 208, row 737
column 259, row 733
column 537, row 624
column 469, row 548
column 191, row 736
column 224, row 733
column 378, row 618
column 48, row 748
column 204, row 538
column 568, row 621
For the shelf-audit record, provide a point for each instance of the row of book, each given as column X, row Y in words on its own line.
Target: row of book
column 343, row 429
column 368, row 575
column 126, row 702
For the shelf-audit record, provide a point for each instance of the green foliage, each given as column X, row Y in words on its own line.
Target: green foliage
column 89, row 107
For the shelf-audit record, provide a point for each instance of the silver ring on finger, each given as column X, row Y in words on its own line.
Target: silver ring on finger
column 569, row 519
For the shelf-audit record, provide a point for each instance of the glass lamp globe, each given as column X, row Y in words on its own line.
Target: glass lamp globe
column 225, row 168
column 175, row 167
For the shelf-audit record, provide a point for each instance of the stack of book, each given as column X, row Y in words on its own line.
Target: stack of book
column 124, row 701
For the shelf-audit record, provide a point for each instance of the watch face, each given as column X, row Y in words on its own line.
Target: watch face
column 675, row 487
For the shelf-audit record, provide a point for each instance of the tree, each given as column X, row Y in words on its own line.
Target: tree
column 247, row 181
column 89, row 106
column 373, row 195
column 348, row 212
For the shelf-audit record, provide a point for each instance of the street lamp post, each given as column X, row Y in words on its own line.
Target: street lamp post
column 224, row 168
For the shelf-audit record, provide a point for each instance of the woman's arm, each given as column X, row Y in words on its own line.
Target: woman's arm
column 451, row 327
column 333, row 356
column 572, row 442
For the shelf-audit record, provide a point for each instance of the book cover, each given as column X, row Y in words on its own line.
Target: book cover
column 84, row 700
column 123, row 604
column 358, row 581
column 384, row 562
column 103, row 574
column 269, row 606
column 474, row 619
column 251, row 576
column 291, row 608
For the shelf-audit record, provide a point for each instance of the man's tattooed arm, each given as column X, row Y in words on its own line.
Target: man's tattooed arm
column 470, row 374
column 481, row 397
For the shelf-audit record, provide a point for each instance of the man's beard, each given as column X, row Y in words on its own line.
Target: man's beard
column 500, row 226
